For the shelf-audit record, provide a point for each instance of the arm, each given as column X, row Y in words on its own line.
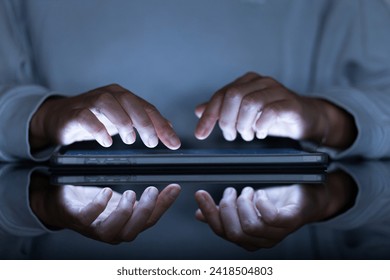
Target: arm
column 35, row 120
column 346, row 107
column 20, row 95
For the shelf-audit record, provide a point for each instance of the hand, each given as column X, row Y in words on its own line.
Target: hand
column 257, row 106
column 263, row 218
column 101, row 214
column 98, row 114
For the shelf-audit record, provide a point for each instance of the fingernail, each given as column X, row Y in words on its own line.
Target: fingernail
column 130, row 138
column 261, row 195
column 105, row 192
column 247, row 190
column 152, row 141
column 229, row 191
column 229, row 136
column 261, row 134
column 176, row 189
column 128, row 195
column 174, row 142
column 106, row 142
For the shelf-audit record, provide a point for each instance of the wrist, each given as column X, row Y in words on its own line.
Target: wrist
column 336, row 127
column 38, row 133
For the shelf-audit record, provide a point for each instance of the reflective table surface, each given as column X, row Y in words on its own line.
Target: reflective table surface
column 341, row 214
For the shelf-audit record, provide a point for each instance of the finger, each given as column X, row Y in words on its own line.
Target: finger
column 199, row 216
column 137, row 109
column 109, row 106
column 232, row 225
column 279, row 119
column 252, row 222
column 163, row 129
column 250, row 110
column 274, row 216
column 90, row 123
column 109, row 229
column 209, row 112
column 200, row 109
column 209, row 117
column 248, row 214
column 232, row 103
column 165, row 199
column 93, row 209
column 229, row 216
column 209, row 211
column 141, row 214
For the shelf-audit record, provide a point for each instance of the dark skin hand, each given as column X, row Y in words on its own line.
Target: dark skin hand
column 97, row 213
column 97, row 115
column 258, row 106
column 263, row 218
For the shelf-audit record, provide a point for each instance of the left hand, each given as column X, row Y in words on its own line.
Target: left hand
column 262, row 218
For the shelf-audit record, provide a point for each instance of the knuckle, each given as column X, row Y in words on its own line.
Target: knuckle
column 145, row 123
column 249, row 101
column 224, row 124
column 211, row 116
column 146, row 211
column 251, row 74
column 242, row 128
column 103, row 98
column 233, row 235
column 224, row 204
column 130, row 237
column 269, row 244
column 249, row 226
column 115, row 87
column 150, row 109
column 233, row 92
column 269, row 80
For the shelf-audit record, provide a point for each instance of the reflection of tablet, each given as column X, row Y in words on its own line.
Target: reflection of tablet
column 261, row 155
column 262, row 178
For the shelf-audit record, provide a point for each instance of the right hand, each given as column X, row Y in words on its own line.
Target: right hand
column 97, row 115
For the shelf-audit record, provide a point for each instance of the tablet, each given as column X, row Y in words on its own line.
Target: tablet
column 153, row 179
column 273, row 154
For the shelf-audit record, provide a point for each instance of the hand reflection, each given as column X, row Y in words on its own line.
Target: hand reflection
column 262, row 218
column 101, row 214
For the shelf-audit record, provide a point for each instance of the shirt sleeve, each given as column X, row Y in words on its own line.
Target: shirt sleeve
column 372, row 201
column 20, row 94
column 16, row 216
column 352, row 70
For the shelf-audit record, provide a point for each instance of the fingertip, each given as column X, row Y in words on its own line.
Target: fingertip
column 103, row 197
column 105, row 141
column 229, row 191
column 174, row 143
column 106, row 192
column 201, row 133
column 130, row 138
column 173, row 189
column 199, row 215
column 200, row 195
column 229, row 135
column 152, row 141
column 130, row 195
column 200, row 109
column 261, row 134
column 175, row 185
